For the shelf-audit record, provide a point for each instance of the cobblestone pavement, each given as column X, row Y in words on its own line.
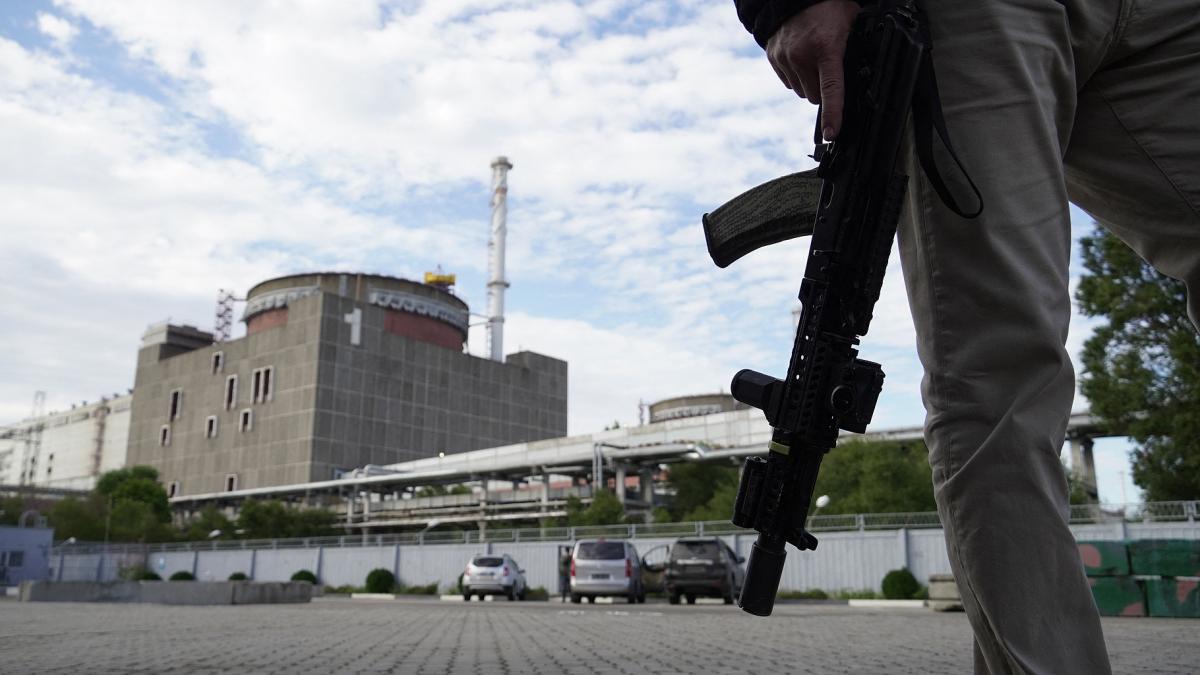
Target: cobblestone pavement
column 427, row 636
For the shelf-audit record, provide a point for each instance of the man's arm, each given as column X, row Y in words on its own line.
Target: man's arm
column 805, row 43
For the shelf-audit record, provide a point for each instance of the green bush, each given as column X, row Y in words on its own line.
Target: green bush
column 811, row 594
column 851, row 594
column 900, row 585
column 538, row 593
column 238, row 576
column 138, row 573
column 380, row 580
column 346, row 589
column 428, row 589
column 305, row 575
column 181, row 575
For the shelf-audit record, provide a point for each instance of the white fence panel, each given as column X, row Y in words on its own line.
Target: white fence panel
column 350, row 566
column 218, row 565
column 442, row 563
column 281, row 564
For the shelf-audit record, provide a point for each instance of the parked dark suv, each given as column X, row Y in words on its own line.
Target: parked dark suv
column 703, row 567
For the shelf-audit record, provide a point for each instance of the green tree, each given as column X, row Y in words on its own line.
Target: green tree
column 440, row 490
column 694, row 485
column 79, row 518
column 273, row 520
column 1141, row 368
column 886, row 477
column 138, row 484
column 11, row 509
column 718, row 507
column 605, row 509
column 205, row 523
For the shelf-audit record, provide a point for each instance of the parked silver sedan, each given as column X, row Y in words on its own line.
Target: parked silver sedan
column 494, row 574
column 606, row 568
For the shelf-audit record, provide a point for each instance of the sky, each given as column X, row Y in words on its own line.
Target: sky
column 155, row 152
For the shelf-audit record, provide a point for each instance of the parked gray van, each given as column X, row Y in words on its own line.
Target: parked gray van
column 605, row 567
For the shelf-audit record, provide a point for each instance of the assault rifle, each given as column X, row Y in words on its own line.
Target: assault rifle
column 852, row 220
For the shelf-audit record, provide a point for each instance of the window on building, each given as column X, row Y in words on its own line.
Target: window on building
column 246, row 420
column 231, row 392
column 172, row 489
column 210, row 426
column 176, row 409
column 231, row 482
column 262, row 389
column 164, row 435
column 16, row 558
column 218, row 362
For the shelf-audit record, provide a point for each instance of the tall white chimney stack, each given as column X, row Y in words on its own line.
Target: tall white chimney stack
column 496, row 282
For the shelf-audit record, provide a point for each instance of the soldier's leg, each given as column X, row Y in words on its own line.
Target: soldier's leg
column 991, row 305
column 1134, row 157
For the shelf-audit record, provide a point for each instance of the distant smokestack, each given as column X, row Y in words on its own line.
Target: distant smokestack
column 496, row 282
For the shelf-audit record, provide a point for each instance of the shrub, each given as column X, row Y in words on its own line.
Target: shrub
column 305, row 575
column 538, row 593
column 138, row 573
column 238, row 576
column 851, row 594
column 811, row 594
column 428, row 589
column 346, row 589
column 181, row 575
column 900, row 585
column 380, row 580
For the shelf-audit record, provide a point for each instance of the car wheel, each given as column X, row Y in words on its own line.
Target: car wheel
column 591, row 599
column 466, row 597
column 691, row 599
column 510, row 594
column 673, row 598
column 576, row 598
column 631, row 598
column 523, row 594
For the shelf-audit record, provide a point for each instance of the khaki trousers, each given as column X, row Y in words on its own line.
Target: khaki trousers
column 1097, row 102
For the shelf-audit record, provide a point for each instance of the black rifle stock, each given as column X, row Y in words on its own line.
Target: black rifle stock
column 827, row 387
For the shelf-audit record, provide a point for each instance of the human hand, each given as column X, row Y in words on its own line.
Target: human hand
column 807, row 53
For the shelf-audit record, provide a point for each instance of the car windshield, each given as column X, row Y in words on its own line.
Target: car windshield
column 601, row 550
column 708, row 550
column 487, row 562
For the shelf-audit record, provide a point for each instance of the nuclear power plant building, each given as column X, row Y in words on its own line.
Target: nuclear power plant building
column 337, row 371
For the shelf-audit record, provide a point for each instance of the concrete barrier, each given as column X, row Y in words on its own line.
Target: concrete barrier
column 169, row 592
column 81, row 591
column 188, row 592
column 271, row 592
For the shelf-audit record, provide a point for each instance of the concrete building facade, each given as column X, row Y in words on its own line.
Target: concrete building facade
column 67, row 449
column 337, row 371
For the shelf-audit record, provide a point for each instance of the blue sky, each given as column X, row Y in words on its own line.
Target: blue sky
column 159, row 151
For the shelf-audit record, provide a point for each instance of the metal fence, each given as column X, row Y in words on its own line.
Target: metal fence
column 1150, row 512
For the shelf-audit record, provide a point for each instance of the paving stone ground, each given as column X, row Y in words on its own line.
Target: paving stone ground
column 428, row 636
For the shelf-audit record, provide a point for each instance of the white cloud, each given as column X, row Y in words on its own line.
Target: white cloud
column 58, row 29
column 625, row 120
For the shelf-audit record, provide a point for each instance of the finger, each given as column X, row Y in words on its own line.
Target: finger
column 810, row 82
column 830, row 75
column 779, row 72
